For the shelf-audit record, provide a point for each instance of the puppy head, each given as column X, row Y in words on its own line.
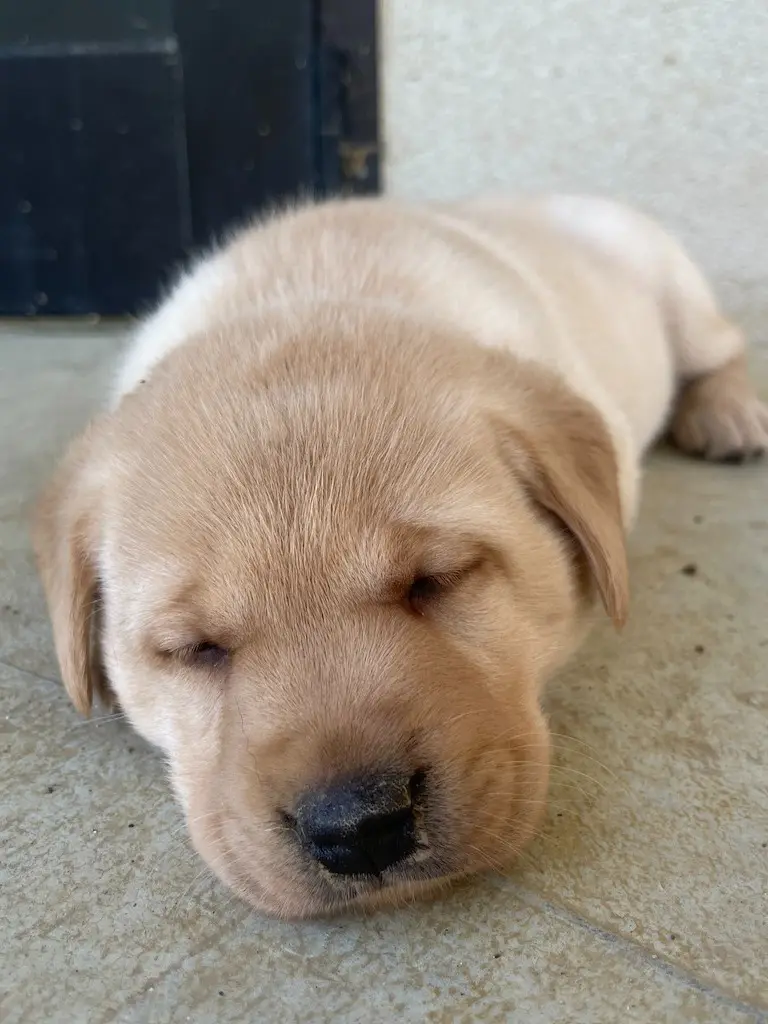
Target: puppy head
column 334, row 561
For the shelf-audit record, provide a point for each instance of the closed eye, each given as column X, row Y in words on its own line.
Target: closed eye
column 204, row 654
column 426, row 590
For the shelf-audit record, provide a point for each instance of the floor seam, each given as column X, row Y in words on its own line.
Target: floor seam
column 655, row 960
column 134, row 1000
column 30, row 672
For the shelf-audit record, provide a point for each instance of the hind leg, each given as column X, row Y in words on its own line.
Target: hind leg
column 717, row 414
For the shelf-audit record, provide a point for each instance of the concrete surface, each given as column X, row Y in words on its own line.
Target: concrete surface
column 662, row 102
column 645, row 900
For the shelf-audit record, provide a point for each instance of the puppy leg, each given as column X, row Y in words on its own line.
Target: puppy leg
column 717, row 414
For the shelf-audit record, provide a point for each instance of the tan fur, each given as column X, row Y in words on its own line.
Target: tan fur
column 345, row 399
column 719, row 416
column 65, row 535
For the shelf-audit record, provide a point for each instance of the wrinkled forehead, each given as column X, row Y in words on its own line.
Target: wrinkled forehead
column 271, row 488
column 293, row 454
column 284, row 529
column 256, row 555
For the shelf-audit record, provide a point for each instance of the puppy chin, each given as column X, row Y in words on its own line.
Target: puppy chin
column 297, row 905
column 300, row 898
column 262, row 865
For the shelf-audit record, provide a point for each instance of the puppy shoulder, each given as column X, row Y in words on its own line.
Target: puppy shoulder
column 615, row 229
column 188, row 308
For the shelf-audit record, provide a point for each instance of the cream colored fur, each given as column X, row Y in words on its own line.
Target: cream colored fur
column 360, row 484
column 584, row 286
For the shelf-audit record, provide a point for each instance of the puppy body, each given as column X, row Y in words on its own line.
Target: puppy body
column 585, row 287
column 362, row 479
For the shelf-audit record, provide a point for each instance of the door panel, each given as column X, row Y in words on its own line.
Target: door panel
column 136, row 131
column 250, row 109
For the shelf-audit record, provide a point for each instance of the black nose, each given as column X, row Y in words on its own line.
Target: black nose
column 360, row 826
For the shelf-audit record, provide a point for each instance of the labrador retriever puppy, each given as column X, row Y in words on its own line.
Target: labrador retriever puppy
column 363, row 478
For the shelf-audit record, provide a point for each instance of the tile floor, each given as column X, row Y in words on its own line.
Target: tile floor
column 645, row 901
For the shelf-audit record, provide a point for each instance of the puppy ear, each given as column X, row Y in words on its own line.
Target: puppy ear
column 65, row 540
column 559, row 446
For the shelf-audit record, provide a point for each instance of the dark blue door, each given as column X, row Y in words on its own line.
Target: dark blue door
column 134, row 131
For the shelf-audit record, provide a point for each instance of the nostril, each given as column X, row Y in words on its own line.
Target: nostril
column 287, row 821
column 361, row 826
column 376, row 844
column 417, row 786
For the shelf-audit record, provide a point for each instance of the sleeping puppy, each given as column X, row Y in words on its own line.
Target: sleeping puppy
column 361, row 483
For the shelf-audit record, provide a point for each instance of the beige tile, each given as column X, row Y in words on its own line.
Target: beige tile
column 52, row 377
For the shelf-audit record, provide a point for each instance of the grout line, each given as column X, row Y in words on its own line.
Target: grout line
column 654, row 960
column 30, row 672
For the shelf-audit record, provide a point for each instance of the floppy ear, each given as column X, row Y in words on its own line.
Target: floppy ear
column 559, row 446
column 65, row 537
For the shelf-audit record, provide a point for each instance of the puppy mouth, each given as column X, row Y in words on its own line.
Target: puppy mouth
column 366, row 843
column 415, row 875
column 303, row 889
column 329, row 877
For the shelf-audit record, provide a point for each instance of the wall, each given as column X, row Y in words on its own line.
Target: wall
column 664, row 102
